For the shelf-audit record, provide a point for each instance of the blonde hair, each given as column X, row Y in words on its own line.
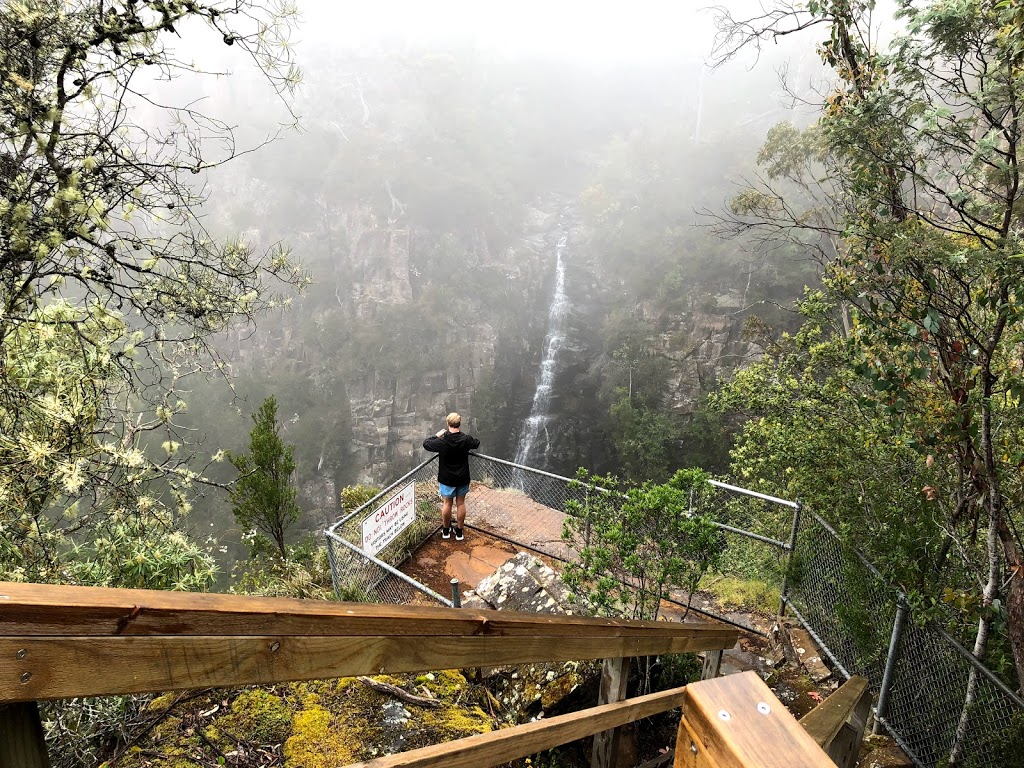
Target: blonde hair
column 454, row 420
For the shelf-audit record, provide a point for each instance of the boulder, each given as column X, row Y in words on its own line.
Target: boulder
column 522, row 583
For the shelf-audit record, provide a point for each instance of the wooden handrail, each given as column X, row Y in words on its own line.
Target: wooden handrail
column 82, row 641
column 49, row 610
column 497, row 747
column 837, row 724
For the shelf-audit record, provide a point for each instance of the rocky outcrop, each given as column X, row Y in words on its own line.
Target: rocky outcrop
column 387, row 279
column 527, row 692
column 522, row 583
column 391, row 414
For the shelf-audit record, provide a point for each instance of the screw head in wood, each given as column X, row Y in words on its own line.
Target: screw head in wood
column 274, row 647
column 724, row 715
column 26, row 676
column 763, row 708
column 693, row 747
column 22, row 653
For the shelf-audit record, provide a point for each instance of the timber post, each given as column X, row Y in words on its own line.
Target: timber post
column 837, row 724
column 712, row 664
column 21, row 736
column 737, row 721
column 614, row 678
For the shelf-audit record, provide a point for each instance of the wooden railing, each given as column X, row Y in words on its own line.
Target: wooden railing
column 61, row 642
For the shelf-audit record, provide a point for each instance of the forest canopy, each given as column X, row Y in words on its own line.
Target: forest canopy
column 112, row 285
column 908, row 191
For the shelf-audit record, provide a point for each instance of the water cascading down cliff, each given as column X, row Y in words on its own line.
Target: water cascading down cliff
column 535, row 440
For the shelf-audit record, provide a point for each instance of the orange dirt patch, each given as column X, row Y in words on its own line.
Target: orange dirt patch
column 438, row 561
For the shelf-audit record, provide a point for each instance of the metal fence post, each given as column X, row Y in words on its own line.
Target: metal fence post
column 456, row 594
column 335, row 576
column 586, row 518
column 898, row 625
column 784, row 591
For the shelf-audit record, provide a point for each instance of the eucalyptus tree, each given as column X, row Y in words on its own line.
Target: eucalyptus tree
column 111, row 285
column 915, row 169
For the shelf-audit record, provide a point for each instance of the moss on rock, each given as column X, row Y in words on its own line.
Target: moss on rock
column 161, row 703
column 258, row 716
column 446, row 685
column 453, row 722
column 314, row 743
column 320, row 723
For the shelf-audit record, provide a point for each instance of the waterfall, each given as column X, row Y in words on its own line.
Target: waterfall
column 535, row 440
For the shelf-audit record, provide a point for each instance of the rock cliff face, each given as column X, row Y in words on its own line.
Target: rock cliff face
column 486, row 316
column 702, row 346
column 392, row 414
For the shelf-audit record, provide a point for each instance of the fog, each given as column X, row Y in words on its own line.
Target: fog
column 592, row 33
column 426, row 171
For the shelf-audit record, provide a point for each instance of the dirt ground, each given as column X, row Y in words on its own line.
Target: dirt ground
column 438, row 561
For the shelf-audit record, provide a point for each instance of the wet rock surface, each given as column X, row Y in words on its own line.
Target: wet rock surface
column 523, row 583
column 394, row 719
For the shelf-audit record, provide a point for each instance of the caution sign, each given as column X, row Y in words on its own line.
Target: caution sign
column 382, row 526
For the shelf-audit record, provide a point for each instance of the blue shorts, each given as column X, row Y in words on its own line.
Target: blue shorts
column 450, row 491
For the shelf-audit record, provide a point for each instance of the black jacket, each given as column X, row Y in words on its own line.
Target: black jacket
column 453, row 463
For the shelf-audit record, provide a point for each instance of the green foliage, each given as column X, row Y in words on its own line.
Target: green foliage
column 305, row 573
column 263, row 497
column 705, row 440
column 111, row 285
column 750, row 594
column 142, row 550
column 807, row 435
column 911, row 196
column 84, row 731
column 636, row 545
column 553, row 758
column 644, row 439
column 643, row 435
column 354, row 496
column 673, row 670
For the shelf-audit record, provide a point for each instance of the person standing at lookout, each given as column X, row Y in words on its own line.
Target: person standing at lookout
column 454, row 446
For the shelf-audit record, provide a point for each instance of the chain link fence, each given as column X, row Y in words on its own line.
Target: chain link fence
column 523, row 505
column 753, row 528
column 935, row 699
column 756, row 531
column 363, row 575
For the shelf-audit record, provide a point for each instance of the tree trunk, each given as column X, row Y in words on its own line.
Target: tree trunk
column 997, row 519
column 1014, row 597
column 980, row 640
